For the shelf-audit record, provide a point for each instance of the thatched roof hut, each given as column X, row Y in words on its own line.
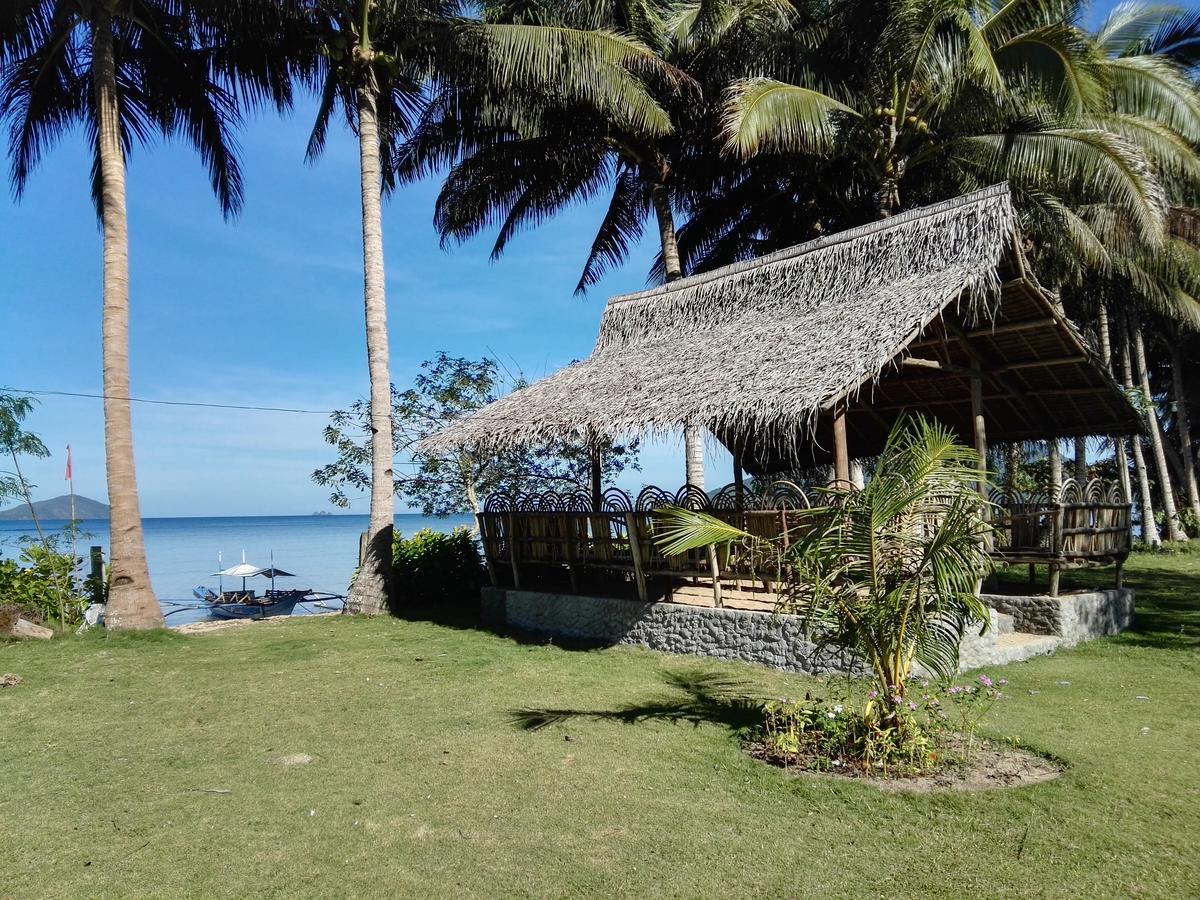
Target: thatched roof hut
column 855, row 327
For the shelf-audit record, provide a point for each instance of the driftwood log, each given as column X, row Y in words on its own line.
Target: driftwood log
column 13, row 625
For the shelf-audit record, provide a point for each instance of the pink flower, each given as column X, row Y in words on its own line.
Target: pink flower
column 912, row 706
column 873, row 694
column 985, row 681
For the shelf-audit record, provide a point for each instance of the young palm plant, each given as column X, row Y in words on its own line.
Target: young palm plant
column 890, row 571
column 125, row 70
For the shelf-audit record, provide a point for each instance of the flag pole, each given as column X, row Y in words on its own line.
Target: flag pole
column 71, row 491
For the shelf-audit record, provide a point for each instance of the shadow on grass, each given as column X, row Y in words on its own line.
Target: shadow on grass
column 463, row 616
column 707, row 697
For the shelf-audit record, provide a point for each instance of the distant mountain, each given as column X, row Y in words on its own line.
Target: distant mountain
column 59, row 508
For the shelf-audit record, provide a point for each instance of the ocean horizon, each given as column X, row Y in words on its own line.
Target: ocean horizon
column 183, row 552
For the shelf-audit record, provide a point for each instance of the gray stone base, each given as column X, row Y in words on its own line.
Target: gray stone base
column 778, row 640
column 1072, row 618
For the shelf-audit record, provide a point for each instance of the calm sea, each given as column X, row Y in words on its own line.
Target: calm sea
column 183, row 553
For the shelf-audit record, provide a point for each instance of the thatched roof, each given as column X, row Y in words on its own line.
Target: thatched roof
column 760, row 352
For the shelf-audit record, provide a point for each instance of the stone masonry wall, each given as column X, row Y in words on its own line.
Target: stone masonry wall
column 757, row 637
column 1071, row 617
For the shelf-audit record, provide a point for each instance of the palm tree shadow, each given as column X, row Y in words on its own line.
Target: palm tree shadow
column 698, row 696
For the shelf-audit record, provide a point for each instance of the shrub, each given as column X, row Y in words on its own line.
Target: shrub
column 433, row 567
column 41, row 584
column 897, row 732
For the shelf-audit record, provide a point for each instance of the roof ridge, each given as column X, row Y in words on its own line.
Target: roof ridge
column 829, row 240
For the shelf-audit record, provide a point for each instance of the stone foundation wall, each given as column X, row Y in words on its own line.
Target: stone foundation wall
column 757, row 637
column 1071, row 617
column 772, row 640
column 1042, row 624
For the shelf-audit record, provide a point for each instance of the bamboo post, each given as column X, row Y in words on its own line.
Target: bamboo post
column 635, row 551
column 979, row 427
column 571, row 532
column 597, row 486
column 841, row 454
column 512, row 551
column 488, row 557
column 715, row 570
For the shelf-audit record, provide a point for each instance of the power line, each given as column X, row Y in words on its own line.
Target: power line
column 316, row 412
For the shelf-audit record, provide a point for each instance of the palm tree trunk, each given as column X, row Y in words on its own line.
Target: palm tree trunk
column 131, row 600
column 1149, row 526
column 372, row 589
column 1054, row 456
column 1183, row 424
column 693, row 439
column 1119, row 451
column 666, row 231
column 1175, row 531
column 1081, row 465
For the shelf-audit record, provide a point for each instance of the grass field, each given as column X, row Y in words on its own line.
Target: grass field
column 151, row 766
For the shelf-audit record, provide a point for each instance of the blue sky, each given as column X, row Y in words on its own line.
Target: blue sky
column 267, row 310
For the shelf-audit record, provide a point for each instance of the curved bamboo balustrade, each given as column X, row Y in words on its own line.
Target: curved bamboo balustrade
column 529, row 539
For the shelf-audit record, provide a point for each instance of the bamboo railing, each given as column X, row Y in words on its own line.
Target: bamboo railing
column 530, row 540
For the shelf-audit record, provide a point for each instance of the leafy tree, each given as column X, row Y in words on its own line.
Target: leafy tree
column 889, row 571
column 447, row 389
column 47, row 583
column 16, row 442
column 125, row 70
column 379, row 61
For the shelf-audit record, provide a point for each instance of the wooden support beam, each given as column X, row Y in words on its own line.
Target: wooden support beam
column 841, row 453
column 1002, row 328
column 1040, row 363
column 979, row 429
column 918, row 362
column 714, row 569
column 486, row 540
column 635, row 550
column 597, row 486
column 739, row 483
column 988, row 368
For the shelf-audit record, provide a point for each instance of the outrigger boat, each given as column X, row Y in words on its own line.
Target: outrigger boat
column 247, row 603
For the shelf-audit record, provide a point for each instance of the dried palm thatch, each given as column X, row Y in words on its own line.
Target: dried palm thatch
column 762, row 348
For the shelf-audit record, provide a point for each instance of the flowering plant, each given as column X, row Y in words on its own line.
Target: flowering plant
column 910, row 731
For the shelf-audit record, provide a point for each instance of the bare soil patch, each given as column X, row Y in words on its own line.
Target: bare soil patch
column 991, row 765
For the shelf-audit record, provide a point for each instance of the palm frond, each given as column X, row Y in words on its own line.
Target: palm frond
column 764, row 115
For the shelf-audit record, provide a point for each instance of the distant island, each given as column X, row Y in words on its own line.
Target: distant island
column 58, row 508
column 322, row 512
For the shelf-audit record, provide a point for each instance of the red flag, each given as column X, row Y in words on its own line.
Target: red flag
column 67, row 474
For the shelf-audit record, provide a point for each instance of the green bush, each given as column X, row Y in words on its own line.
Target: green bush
column 432, row 567
column 41, row 585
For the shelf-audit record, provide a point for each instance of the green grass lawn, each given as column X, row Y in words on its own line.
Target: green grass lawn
column 424, row 783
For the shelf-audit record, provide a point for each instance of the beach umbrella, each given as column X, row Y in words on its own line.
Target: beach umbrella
column 242, row 570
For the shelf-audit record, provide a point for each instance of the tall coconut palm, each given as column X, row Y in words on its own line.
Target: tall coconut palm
column 556, row 151
column 929, row 98
column 379, row 61
column 125, row 70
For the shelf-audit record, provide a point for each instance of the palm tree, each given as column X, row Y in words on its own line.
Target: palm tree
column 124, row 70
column 890, row 570
column 379, row 61
column 942, row 96
column 557, row 152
